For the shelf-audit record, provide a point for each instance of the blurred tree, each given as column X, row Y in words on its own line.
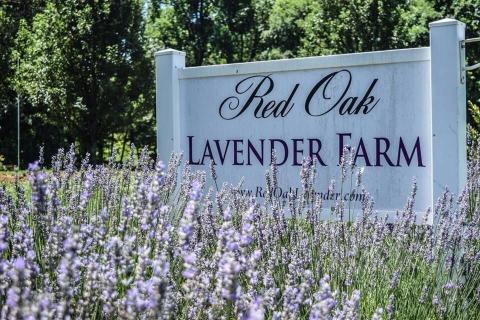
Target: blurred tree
column 413, row 30
column 12, row 13
column 286, row 28
column 182, row 24
column 233, row 21
column 83, row 68
column 354, row 26
column 472, row 127
column 214, row 31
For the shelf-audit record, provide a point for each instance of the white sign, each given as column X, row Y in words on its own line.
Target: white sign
column 402, row 112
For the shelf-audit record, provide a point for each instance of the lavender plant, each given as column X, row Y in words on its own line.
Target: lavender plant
column 144, row 240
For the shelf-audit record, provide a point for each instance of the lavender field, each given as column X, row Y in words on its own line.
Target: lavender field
column 117, row 241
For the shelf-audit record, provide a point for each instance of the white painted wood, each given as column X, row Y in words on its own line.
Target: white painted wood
column 411, row 99
column 448, row 106
column 403, row 111
column 168, row 110
column 309, row 63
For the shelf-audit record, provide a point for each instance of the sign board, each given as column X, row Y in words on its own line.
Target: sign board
column 402, row 112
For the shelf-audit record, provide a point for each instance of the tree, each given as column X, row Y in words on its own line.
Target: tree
column 84, row 67
column 209, row 31
column 413, row 29
column 12, row 14
column 234, row 20
column 354, row 26
column 188, row 26
column 286, row 28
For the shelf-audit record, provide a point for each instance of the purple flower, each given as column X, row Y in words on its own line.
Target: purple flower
column 149, row 248
column 19, row 264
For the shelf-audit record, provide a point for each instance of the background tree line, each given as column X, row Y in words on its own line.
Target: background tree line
column 84, row 68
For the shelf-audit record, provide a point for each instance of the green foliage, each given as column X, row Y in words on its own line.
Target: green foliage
column 12, row 13
column 2, row 165
column 188, row 26
column 286, row 29
column 83, row 69
column 355, row 26
column 472, row 129
column 209, row 31
column 413, row 30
